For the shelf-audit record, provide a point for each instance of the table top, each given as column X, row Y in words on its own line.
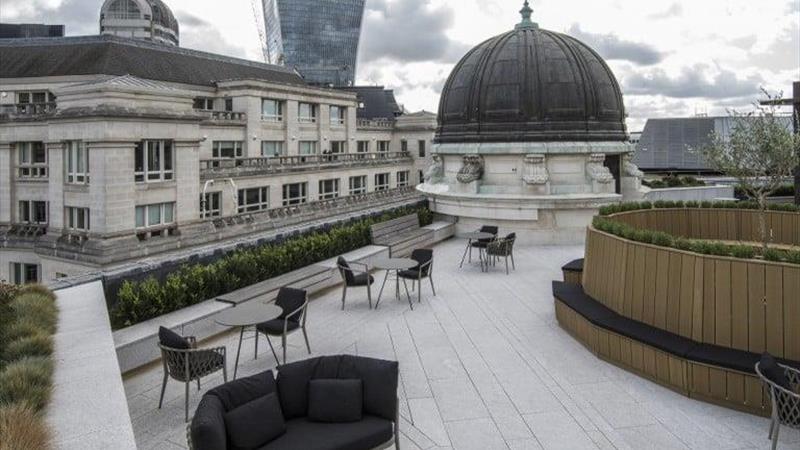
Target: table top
column 251, row 313
column 394, row 263
column 476, row 235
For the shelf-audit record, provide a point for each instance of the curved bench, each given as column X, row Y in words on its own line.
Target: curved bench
column 707, row 372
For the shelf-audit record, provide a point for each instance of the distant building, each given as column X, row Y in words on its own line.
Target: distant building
column 319, row 38
column 30, row 30
column 634, row 137
column 375, row 102
column 149, row 20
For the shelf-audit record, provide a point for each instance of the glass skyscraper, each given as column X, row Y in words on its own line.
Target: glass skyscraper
column 317, row 37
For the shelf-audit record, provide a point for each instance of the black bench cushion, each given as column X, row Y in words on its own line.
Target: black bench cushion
column 238, row 392
column 302, row 433
column 255, row 423
column 274, row 327
column 573, row 296
column 575, row 265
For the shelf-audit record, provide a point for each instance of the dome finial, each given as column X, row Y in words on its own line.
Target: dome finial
column 526, row 12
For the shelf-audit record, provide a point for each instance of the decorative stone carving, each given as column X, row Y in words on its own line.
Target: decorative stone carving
column 435, row 172
column 630, row 169
column 472, row 170
column 535, row 170
column 596, row 171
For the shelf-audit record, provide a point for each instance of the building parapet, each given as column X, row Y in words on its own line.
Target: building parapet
column 238, row 167
column 373, row 124
column 27, row 109
column 225, row 116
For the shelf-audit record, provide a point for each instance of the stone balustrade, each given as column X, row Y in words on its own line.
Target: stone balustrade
column 213, row 168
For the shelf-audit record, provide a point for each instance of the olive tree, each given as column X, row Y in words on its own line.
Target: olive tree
column 760, row 152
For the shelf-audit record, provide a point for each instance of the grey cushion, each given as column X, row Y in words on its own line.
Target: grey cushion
column 304, row 434
column 292, row 383
column 171, row 339
column 334, row 400
column 243, row 390
column 208, row 425
column 361, row 279
column 255, row 423
column 275, row 326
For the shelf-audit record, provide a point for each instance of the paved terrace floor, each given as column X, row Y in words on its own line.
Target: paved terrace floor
column 484, row 365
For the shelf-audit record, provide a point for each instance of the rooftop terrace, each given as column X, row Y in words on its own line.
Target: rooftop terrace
column 483, row 365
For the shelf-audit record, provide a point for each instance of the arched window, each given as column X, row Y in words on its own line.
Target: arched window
column 124, row 9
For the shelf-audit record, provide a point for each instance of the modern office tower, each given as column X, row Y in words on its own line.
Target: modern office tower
column 319, row 38
column 30, row 30
column 149, row 20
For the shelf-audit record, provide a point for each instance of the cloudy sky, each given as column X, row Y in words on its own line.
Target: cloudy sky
column 672, row 58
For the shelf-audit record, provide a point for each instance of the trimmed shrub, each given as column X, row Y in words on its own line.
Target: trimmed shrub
column 21, row 428
column 27, row 381
column 37, row 344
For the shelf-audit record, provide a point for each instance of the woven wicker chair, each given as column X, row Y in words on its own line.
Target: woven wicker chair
column 502, row 248
column 785, row 403
column 191, row 364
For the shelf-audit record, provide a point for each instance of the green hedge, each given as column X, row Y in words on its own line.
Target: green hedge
column 663, row 239
column 138, row 301
column 28, row 319
column 636, row 206
column 671, row 181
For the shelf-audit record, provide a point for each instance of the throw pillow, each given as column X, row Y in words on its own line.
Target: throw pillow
column 256, row 423
column 334, row 401
column 169, row 338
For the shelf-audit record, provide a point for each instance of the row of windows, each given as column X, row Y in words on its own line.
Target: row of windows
column 36, row 212
column 420, row 147
column 32, row 161
column 273, row 111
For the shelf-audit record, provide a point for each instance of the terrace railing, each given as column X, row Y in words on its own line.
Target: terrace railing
column 235, row 167
column 28, row 109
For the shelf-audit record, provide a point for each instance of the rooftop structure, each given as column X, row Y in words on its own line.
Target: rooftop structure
column 149, row 20
column 30, row 30
column 318, row 38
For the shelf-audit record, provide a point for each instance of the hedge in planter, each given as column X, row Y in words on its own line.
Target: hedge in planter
column 138, row 301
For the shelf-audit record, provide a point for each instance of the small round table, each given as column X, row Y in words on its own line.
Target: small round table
column 474, row 236
column 394, row 265
column 247, row 315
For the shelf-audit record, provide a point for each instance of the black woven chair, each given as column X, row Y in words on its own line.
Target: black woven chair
column 481, row 244
column 424, row 269
column 782, row 383
column 354, row 278
column 502, row 248
column 294, row 303
column 184, row 362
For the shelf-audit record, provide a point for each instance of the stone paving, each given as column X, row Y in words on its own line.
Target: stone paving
column 484, row 365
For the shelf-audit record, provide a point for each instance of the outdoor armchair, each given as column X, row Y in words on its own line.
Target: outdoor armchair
column 782, row 384
column 502, row 248
column 294, row 303
column 424, row 269
column 354, row 278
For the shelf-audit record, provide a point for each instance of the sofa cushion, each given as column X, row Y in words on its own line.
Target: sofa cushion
column 207, row 430
column 775, row 373
column 171, row 339
column 238, row 392
column 255, row 423
column 379, row 379
column 292, row 383
column 334, row 400
column 302, row 433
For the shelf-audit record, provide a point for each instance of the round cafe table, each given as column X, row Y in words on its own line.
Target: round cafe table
column 247, row 315
column 472, row 237
column 394, row 265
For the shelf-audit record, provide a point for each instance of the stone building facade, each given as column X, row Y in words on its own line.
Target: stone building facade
column 105, row 168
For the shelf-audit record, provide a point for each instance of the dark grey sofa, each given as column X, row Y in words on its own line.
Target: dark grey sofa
column 377, row 429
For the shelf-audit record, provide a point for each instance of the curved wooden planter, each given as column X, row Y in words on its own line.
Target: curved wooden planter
column 743, row 304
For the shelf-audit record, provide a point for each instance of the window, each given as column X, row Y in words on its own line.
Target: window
column 76, row 162
column 402, row 178
column 306, row 113
column 338, row 115
column 295, row 193
column 362, row 146
column 124, row 9
column 33, row 212
column 228, row 104
column 227, row 149
column 421, row 148
column 308, row 147
column 153, row 161
column 32, row 158
column 204, row 103
column 211, row 207
column 271, row 110
column 358, row 185
column 35, row 97
column 271, row 148
column 338, row 146
column 155, row 215
column 420, row 177
column 381, row 181
column 76, row 218
column 253, row 199
column 383, row 146
column 22, row 273
column 328, row 189
column 404, row 146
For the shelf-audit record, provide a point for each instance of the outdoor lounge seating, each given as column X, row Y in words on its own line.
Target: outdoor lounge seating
column 424, row 269
column 502, row 248
column 183, row 361
column 294, row 303
column 330, row 402
column 782, row 383
column 401, row 235
column 481, row 244
column 354, row 278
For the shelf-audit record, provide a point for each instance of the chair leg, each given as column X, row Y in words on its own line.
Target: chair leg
column 163, row 388
column 277, row 361
column 344, row 295
column 198, row 384
column 464, row 255
column 380, row 293
column 771, row 426
column 283, row 344
column 305, row 335
column 470, row 254
column 186, row 403
column 419, row 291
column 506, row 265
column 512, row 262
column 255, row 354
column 430, row 278
column 369, row 295
column 775, row 435
column 406, row 287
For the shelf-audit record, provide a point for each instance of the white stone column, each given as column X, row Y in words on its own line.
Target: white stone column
column 324, row 126
column 292, row 128
column 55, row 191
column 187, row 176
column 6, row 179
column 111, row 186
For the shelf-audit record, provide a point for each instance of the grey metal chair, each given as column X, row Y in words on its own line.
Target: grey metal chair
column 785, row 402
column 294, row 303
column 481, row 244
column 502, row 248
column 187, row 365
column 354, row 278
column 424, row 269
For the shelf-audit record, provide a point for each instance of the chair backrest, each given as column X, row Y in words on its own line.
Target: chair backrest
column 510, row 239
column 489, row 229
column 289, row 299
column 344, row 270
column 422, row 256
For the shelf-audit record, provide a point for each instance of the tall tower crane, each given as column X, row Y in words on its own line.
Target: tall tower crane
column 258, row 16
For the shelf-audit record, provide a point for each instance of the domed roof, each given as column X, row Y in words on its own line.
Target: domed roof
column 531, row 85
column 163, row 16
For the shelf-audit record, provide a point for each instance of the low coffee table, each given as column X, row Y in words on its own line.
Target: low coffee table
column 471, row 237
column 247, row 315
column 394, row 265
